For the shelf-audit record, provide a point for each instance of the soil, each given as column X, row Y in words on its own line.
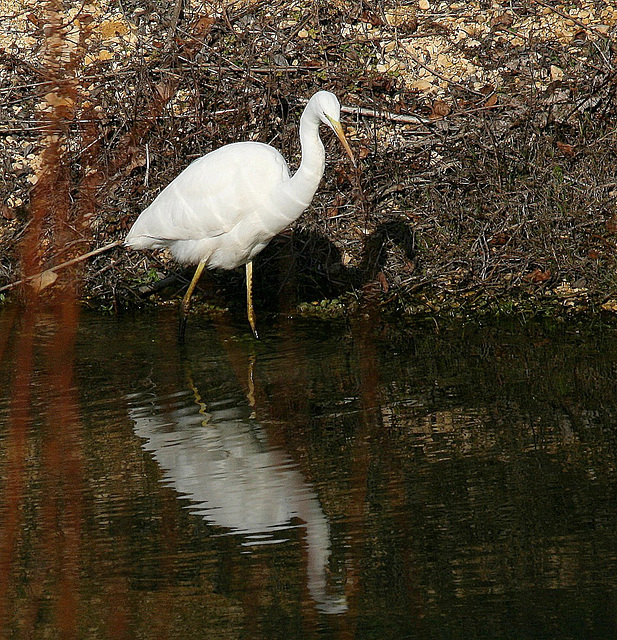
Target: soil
column 486, row 133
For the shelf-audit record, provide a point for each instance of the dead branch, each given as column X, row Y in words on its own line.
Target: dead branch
column 394, row 117
column 62, row 265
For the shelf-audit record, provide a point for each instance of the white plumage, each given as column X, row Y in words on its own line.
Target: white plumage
column 204, row 213
column 225, row 207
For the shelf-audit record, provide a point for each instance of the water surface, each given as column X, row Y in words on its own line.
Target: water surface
column 331, row 480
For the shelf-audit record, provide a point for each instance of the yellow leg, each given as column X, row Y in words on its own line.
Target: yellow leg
column 249, row 298
column 186, row 301
column 251, row 385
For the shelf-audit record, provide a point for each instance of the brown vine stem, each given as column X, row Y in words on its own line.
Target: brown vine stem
column 62, row 265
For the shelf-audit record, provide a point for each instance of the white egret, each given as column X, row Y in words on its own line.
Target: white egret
column 225, row 207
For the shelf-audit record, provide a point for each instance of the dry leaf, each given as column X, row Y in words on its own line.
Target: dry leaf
column 383, row 282
column 492, row 101
column 537, row 276
column 57, row 100
column 166, row 89
column 380, row 84
column 202, row 26
column 137, row 159
column 342, row 176
column 440, row 109
column 503, row 21
column 7, row 212
column 372, row 18
column 566, row 149
column 611, row 224
column 422, row 85
column 199, row 29
column 34, row 19
column 43, row 280
column 499, row 239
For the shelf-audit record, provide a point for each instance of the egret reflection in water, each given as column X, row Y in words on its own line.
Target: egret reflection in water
column 219, row 458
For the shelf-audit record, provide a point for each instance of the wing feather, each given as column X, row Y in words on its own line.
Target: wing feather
column 211, row 197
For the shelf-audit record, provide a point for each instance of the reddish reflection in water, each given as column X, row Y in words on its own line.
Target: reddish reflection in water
column 16, row 447
column 44, row 452
column 43, row 482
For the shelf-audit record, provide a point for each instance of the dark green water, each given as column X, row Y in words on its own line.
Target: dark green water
column 332, row 480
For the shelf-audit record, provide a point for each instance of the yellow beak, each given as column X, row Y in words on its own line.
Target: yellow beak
column 338, row 129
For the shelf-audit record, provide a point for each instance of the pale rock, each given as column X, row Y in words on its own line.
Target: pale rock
column 461, row 34
column 422, row 85
column 389, row 46
column 398, row 16
column 114, row 27
column 556, row 72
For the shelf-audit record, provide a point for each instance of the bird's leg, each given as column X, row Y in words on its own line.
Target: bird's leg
column 186, row 301
column 250, row 311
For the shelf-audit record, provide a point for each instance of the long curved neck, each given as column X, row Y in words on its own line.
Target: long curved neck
column 311, row 168
column 299, row 190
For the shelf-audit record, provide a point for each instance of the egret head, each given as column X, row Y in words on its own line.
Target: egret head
column 328, row 109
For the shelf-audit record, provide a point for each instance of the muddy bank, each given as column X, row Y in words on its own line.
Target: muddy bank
column 486, row 138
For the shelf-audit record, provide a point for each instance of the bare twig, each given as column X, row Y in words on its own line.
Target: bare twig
column 386, row 115
column 171, row 34
column 62, row 265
